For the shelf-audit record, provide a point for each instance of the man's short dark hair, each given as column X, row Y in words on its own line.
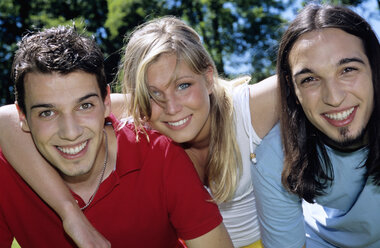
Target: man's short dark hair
column 56, row 50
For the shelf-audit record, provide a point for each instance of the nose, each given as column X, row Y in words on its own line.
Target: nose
column 172, row 105
column 333, row 93
column 69, row 128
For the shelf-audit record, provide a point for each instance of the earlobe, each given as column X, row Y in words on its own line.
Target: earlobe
column 23, row 121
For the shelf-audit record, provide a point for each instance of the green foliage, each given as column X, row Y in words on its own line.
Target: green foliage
column 17, row 17
column 240, row 33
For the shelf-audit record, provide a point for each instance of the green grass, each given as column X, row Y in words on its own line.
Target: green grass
column 15, row 244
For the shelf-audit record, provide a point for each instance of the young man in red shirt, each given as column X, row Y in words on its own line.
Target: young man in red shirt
column 142, row 193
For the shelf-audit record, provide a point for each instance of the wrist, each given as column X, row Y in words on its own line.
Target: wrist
column 69, row 210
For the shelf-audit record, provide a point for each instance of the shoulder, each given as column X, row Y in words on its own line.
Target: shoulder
column 272, row 140
column 4, row 164
column 146, row 143
column 269, row 153
column 146, row 137
column 263, row 104
column 8, row 175
column 239, row 87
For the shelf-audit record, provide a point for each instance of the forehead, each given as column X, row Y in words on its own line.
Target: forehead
column 166, row 69
column 324, row 48
column 57, row 89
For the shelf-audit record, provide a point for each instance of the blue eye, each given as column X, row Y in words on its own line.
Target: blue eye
column 156, row 96
column 183, row 86
column 155, row 93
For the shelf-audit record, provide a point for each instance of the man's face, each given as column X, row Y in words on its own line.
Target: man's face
column 333, row 83
column 65, row 115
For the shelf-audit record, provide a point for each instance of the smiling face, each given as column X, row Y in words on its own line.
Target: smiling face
column 65, row 115
column 182, row 104
column 333, row 83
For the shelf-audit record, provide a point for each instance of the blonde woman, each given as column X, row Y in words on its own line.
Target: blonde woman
column 173, row 86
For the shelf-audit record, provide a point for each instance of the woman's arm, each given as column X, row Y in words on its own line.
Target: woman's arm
column 264, row 105
column 119, row 105
column 44, row 179
column 217, row 238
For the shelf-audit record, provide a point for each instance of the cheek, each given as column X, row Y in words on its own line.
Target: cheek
column 308, row 96
column 156, row 112
column 42, row 134
column 199, row 98
column 299, row 95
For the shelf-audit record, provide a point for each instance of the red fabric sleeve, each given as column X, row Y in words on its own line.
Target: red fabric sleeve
column 6, row 237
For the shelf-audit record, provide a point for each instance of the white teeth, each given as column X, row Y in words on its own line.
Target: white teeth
column 178, row 123
column 341, row 115
column 73, row 150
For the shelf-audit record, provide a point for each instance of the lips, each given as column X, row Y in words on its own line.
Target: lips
column 341, row 118
column 72, row 150
column 179, row 123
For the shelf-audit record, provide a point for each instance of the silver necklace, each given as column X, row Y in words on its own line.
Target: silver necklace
column 101, row 175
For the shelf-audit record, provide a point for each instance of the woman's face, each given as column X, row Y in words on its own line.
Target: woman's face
column 181, row 106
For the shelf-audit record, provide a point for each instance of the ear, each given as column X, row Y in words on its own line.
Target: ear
column 22, row 117
column 210, row 79
column 107, row 102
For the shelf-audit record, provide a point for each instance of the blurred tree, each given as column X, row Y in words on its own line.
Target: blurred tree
column 248, row 28
column 238, row 34
column 17, row 17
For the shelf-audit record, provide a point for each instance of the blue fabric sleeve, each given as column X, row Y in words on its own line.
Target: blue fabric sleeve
column 280, row 213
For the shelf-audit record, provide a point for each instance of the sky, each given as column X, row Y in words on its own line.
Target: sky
column 369, row 10
column 371, row 13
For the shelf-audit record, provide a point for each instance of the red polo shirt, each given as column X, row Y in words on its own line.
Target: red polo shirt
column 153, row 197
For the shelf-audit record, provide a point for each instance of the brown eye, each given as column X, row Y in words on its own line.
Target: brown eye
column 349, row 69
column 307, row 80
column 86, row 106
column 46, row 113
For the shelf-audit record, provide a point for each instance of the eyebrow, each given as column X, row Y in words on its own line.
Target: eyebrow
column 174, row 79
column 341, row 62
column 303, row 71
column 48, row 105
column 348, row 60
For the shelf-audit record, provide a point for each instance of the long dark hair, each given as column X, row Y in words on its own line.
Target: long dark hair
column 303, row 173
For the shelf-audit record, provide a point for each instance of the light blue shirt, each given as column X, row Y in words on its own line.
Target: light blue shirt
column 348, row 215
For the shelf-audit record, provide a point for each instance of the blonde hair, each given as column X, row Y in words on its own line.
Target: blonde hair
column 169, row 35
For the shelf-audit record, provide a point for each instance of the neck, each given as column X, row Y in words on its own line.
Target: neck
column 198, row 149
column 199, row 158
column 347, row 146
column 85, row 185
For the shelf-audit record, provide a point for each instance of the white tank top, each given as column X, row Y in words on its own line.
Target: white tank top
column 239, row 214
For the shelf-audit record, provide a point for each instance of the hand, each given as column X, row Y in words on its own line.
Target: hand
column 82, row 232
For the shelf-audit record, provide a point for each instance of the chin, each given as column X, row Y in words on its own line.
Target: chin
column 351, row 141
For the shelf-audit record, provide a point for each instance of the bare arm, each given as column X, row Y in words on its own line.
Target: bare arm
column 216, row 238
column 119, row 103
column 44, row 179
column 264, row 105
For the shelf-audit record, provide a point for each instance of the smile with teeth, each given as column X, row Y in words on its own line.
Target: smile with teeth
column 179, row 123
column 341, row 115
column 73, row 150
